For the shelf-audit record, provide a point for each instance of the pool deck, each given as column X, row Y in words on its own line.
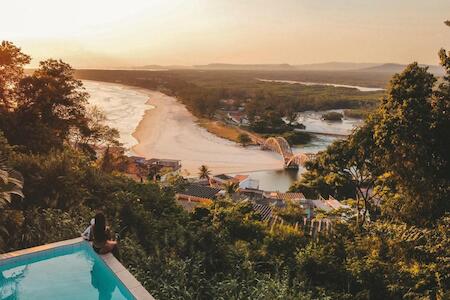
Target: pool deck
column 130, row 282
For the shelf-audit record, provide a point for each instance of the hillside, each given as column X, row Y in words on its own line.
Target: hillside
column 397, row 68
column 334, row 66
column 245, row 67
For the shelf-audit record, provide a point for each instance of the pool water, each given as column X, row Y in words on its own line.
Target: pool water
column 67, row 273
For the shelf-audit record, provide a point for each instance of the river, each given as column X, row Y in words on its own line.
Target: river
column 152, row 124
column 361, row 88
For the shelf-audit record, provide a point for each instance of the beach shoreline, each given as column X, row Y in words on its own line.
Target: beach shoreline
column 169, row 131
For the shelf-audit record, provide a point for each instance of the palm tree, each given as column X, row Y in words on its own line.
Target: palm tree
column 204, row 172
column 11, row 182
column 231, row 188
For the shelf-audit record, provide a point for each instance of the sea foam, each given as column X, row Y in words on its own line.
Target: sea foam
column 124, row 107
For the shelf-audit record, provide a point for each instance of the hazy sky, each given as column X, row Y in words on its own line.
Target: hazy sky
column 111, row 33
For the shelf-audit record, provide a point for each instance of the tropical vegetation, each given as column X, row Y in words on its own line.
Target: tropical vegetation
column 394, row 169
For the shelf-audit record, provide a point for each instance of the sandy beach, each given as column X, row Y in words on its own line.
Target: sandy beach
column 169, row 131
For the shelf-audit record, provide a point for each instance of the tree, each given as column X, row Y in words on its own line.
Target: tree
column 94, row 133
column 291, row 112
column 231, row 188
column 107, row 164
column 204, row 172
column 244, row 139
column 44, row 110
column 292, row 213
column 332, row 116
column 52, row 104
column 409, row 134
column 447, row 23
column 12, row 61
column 55, row 179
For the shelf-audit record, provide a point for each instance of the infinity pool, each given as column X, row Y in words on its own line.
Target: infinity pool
column 67, row 272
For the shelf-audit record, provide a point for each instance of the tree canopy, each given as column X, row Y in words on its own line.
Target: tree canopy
column 399, row 156
column 48, row 108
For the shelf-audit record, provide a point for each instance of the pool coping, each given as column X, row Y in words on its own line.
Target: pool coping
column 130, row 282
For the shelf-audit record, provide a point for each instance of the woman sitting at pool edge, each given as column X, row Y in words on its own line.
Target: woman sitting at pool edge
column 100, row 235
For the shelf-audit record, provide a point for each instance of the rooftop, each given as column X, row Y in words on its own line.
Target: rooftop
column 284, row 196
column 223, row 177
column 200, row 191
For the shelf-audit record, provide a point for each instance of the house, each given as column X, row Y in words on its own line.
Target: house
column 162, row 167
column 229, row 102
column 194, row 195
column 312, row 205
column 136, row 168
column 220, row 179
column 140, row 168
column 138, row 159
column 238, row 117
column 173, row 164
column 244, row 181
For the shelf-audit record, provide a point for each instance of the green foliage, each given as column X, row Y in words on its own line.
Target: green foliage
column 231, row 188
column 292, row 214
column 53, row 180
column 298, row 137
column 11, row 182
column 50, row 106
column 42, row 226
column 399, row 155
column 244, row 139
column 332, row 116
column 356, row 113
column 204, row 172
column 12, row 61
column 409, row 134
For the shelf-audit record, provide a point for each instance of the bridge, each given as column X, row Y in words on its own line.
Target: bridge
column 281, row 146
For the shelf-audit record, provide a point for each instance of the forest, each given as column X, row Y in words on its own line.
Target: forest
column 202, row 91
column 394, row 170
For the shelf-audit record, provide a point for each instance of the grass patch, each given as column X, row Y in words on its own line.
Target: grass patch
column 220, row 129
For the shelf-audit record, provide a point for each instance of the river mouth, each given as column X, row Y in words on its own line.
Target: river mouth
column 154, row 125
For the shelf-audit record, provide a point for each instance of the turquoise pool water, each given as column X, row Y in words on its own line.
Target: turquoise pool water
column 67, row 273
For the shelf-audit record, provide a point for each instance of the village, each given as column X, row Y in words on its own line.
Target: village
column 205, row 189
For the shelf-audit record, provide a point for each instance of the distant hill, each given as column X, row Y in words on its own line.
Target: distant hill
column 159, row 67
column 328, row 66
column 397, row 68
column 334, row 66
column 250, row 67
column 389, row 68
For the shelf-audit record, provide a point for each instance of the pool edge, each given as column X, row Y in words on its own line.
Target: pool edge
column 130, row 282
column 17, row 253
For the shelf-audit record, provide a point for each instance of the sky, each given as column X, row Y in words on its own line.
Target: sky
column 112, row 33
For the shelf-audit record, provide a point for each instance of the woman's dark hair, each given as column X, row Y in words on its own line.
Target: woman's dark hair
column 100, row 227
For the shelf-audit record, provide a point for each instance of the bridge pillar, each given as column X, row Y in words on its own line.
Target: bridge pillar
column 291, row 166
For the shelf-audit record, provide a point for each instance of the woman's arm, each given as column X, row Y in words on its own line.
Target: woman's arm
column 108, row 233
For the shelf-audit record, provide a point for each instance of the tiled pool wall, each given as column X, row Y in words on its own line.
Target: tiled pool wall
column 35, row 254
